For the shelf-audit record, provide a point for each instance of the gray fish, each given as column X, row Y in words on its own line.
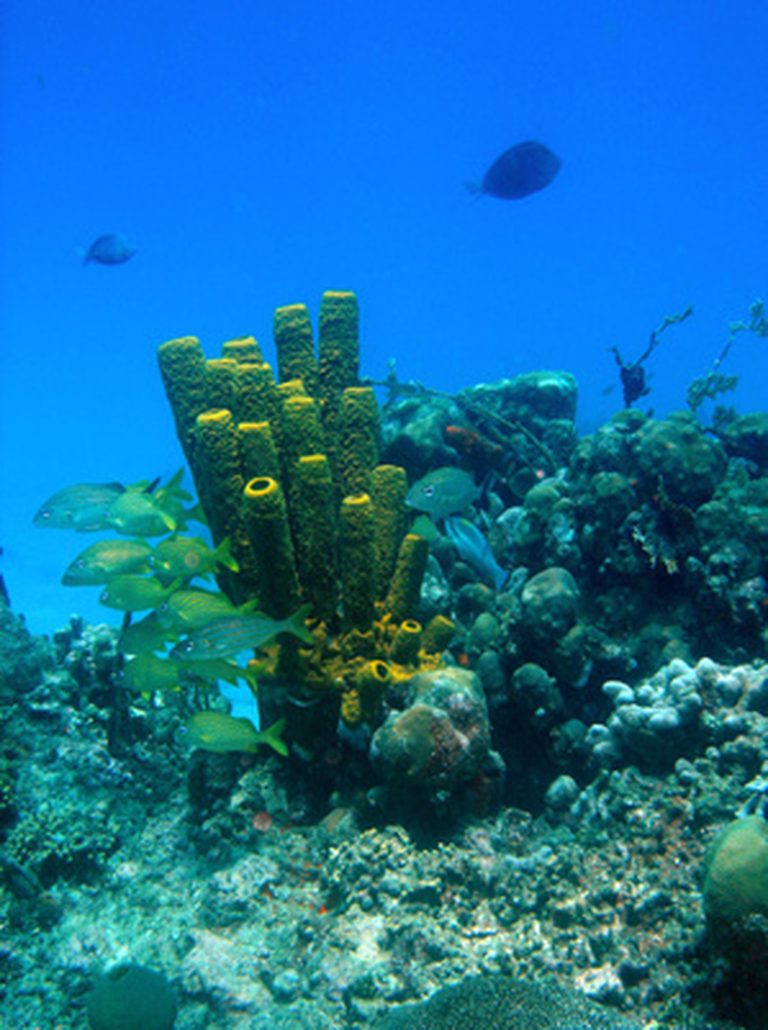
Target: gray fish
column 229, row 635
column 109, row 249
column 442, row 492
column 523, row 169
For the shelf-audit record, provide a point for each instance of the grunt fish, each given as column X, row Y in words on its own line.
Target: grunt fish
column 131, row 593
column 217, row 731
column 83, row 506
column 137, row 513
column 106, row 559
column 231, row 634
column 187, row 556
column 190, row 608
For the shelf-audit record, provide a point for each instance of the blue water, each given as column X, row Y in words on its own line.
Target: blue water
column 257, row 154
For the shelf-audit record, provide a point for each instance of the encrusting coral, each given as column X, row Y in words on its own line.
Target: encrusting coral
column 288, row 470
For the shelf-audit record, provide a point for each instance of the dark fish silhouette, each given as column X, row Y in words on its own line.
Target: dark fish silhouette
column 110, row 249
column 523, row 169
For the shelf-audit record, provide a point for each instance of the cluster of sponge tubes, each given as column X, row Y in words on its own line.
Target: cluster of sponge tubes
column 287, row 468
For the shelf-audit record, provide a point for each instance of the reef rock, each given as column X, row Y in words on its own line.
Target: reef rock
column 441, row 739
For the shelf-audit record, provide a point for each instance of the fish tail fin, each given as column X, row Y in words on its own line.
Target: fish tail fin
column 195, row 514
column 296, row 624
column 501, row 578
column 223, row 555
column 174, row 483
column 272, row 737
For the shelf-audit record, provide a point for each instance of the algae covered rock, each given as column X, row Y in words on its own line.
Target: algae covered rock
column 525, row 398
column 504, row 1003
column 441, row 739
column 550, row 602
column 544, row 402
column 677, row 452
column 746, row 436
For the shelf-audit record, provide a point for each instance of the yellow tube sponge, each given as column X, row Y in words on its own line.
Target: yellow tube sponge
column 405, row 646
column 301, row 434
column 338, row 346
column 291, row 388
column 316, row 536
column 389, row 486
column 265, row 522
column 402, row 601
column 358, row 447
column 219, row 481
column 244, row 350
column 437, row 634
column 221, row 374
column 182, row 367
column 371, row 682
column 357, row 556
column 292, row 332
column 257, row 399
column 258, row 453
column 337, row 365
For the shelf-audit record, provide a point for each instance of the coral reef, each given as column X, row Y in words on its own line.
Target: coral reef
column 572, row 687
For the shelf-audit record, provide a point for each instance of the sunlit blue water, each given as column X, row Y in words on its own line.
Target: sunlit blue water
column 257, row 154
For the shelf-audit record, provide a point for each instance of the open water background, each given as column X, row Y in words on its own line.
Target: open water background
column 258, row 153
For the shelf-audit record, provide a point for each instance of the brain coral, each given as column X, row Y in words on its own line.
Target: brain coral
column 503, row 1003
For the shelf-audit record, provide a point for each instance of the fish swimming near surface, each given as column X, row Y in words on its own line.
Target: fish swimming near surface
column 523, row 169
column 442, row 492
column 231, row 634
column 474, row 548
column 217, row 731
column 109, row 249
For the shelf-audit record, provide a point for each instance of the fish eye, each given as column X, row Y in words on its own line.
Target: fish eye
column 429, row 490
